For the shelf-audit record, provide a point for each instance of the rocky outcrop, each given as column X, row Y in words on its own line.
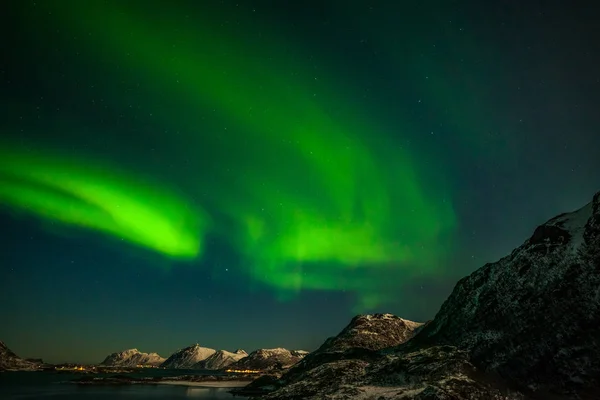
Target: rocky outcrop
column 269, row 359
column 372, row 332
column 133, row 358
column 188, row 357
column 354, row 346
column 363, row 335
column 9, row 361
column 534, row 316
column 220, row 359
column 430, row 373
column 527, row 326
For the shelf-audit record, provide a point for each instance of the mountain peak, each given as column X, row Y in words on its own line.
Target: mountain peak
column 132, row 358
column 373, row 332
column 187, row 357
column 10, row 361
column 220, row 359
column 268, row 359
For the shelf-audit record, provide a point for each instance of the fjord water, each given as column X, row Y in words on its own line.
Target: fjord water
column 48, row 386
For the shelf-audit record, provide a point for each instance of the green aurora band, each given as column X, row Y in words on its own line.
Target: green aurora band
column 309, row 192
column 72, row 192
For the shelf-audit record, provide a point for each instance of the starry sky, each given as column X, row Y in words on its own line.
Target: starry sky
column 247, row 174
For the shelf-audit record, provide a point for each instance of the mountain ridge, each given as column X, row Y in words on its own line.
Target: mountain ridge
column 132, row 358
column 525, row 326
column 9, row 361
column 269, row 359
column 220, row 359
column 187, row 357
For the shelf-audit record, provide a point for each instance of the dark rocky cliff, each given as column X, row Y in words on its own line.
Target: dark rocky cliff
column 10, row 361
column 526, row 326
column 534, row 316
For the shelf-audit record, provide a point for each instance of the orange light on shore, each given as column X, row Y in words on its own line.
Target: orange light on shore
column 243, row 371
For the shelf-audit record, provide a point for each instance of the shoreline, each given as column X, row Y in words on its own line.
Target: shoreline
column 206, row 384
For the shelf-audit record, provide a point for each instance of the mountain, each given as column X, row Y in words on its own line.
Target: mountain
column 133, row 358
column 220, row 359
column 10, row 361
column 363, row 335
column 361, row 338
column 269, row 359
column 526, row 326
column 186, row 358
column 373, row 332
column 533, row 317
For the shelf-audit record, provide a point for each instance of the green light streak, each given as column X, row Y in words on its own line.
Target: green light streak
column 75, row 193
column 316, row 202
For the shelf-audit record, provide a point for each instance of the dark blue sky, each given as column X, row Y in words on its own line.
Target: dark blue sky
column 509, row 127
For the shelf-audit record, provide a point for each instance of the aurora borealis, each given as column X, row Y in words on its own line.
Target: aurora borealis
column 275, row 160
column 73, row 193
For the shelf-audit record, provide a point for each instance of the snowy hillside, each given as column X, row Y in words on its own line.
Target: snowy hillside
column 220, row 359
column 186, row 358
column 267, row 359
column 133, row 358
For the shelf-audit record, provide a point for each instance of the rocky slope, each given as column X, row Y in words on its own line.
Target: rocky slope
column 188, row 357
column 363, row 335
column 373, row 332
column 9, row 361
column 269, row 359
column 527, row 326
column 360, row 340
column 220, row 359
column 132, row 358
column 534, row 316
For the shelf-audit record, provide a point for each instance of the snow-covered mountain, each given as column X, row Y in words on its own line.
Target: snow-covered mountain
column 220, row 359
column 373, row 332
column 269, row 359
column 133, row 358
column 526, row 326
column 364, row 334
column 533, row 317
column 10, row 361
column 187, row 357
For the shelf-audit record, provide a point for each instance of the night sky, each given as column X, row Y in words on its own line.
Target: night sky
column 248, row 174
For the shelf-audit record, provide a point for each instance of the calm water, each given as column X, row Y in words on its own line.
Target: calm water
column 47, row 386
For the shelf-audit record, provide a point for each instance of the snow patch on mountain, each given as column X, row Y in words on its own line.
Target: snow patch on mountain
column 373, row 332
column 574, row 223
column 220, row 359
column 268, row 359
column 133, row 358
column 187, row 357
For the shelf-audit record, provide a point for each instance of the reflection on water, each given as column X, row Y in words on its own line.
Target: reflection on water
column 47, row 386
column 207, row 393
column 134, row 392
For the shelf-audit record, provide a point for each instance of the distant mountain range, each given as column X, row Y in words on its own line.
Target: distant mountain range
column 133, row 358
column 268, row 359
column 524, row 327
column 220, row 359
column 187, row 357
column 192, row 357
column 204, row 358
